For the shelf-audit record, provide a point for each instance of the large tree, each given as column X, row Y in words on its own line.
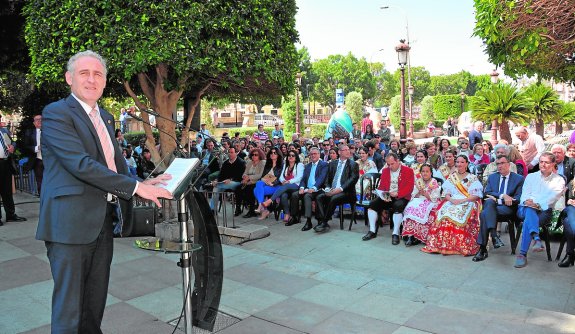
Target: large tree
column 345, row 72
column 529, row 37
column 544, row 105
column 164, row 49
column 420, row 80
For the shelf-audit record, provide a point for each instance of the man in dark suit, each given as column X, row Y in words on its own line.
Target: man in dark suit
column 502, row 195
column 6, row 151
column 565, row 165
column 310, row 186
column 343, row 174
column 86, row 176
column 32, row 145
column 374, row 155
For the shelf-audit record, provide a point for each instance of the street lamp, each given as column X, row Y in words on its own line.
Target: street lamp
column 298, row 84
column 402, row 50
column 410, row 91
column 408, row 58
column 494, row 124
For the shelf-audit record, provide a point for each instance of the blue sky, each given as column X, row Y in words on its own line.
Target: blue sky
column 440, row 32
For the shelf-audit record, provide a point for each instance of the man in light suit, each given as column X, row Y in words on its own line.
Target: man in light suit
column 342, row 187
column 502, row 195
column 85, row 175
column 309, row 187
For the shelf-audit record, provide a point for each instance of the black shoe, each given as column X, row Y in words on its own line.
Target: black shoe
column 16, row 218
column 238, row 211
column 480, row 256
column 497, row 242
column 410, row 241
column 292, row 221
column 567, row 261
column 322, row 227
column 307, row 226
column 250, row 214
column 395, row 239
column 370, row 235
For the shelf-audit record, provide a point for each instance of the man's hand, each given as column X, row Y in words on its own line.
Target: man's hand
column 10, row 148
column 393, row 194
column 153, row 192
column 491, row 198
column 160, row 179
column 507, row 200
column 302, row 191
column 227, row 181
column 334, row 191
column 310, row 191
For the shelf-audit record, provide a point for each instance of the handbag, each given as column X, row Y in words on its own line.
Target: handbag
column 269, row 178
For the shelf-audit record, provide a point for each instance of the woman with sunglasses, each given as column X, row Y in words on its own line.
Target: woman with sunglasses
column 289, row 179
column 252, row 174
column 270, row 180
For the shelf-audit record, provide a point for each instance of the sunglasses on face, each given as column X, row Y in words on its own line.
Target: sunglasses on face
column 291, row 156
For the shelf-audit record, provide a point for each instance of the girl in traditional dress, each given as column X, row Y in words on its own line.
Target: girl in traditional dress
column 418, row 214
column 457, row 224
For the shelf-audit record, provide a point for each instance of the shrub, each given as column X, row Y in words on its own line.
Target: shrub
column 354, row 106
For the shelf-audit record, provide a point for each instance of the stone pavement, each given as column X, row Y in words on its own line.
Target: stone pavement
column 301, row 282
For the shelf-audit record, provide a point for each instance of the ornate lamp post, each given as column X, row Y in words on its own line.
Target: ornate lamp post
column 297, row 106
column 410, row 91
column 402, row 50
column 494, row 124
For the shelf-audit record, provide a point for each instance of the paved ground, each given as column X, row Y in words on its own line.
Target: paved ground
column 300, row 282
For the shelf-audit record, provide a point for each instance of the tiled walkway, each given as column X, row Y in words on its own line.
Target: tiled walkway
column 300, row 282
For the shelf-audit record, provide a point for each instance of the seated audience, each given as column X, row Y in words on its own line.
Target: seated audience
column 252, row 174
column 541, row 190
column 229, row 178
column 394, row 192
column 290, row 178
column 420, row 159
column 409, row 157
column 270, row 181
column 517, row 159
column 365, row 166
column 499, row 150
column 457, row 223
column 417, row 216
column 146, row 168
column 448, row 168
column 479, row 157
column 313, row 179
column 569, row 228
column 502, row 195
column 343, row 174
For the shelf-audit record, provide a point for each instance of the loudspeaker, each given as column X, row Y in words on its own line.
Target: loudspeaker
column 142, row 222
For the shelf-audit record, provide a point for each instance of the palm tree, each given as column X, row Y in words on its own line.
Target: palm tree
column 565, row 114
column 544, row 105
column 502, row 103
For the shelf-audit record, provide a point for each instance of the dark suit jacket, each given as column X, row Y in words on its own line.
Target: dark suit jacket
column 568, row 168
column 514, row 186
column 320, row 175
column 378, row 160
column 30, row 146
column 73, row 202
column 349, row 175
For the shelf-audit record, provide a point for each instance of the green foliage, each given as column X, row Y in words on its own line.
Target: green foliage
column 545, row 102
column 288, row 114
column 354, row 106
column 345, row 72
column 394, row 111
column 317, row 130
column 249, row 130
column 445, row 106
column 458, row 82
column 514, row 42
column 427, row 113
column 501, row 103
column 420, row 80
column 205, row 116
column 387, row 86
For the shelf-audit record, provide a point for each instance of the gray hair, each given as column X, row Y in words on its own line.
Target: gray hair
column 88, row 53
column 314, row 149
column 559, row 146
column 503, row 146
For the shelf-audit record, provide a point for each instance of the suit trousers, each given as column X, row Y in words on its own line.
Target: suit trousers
column 307, row 199
column 81, row 275
column 39, row 173
column 6, row 188
column 283, row 193
column 488, row 219
column 532, row 220
column 326, row 204
column 569, row 228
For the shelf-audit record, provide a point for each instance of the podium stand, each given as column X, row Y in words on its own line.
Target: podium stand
column 204, row 255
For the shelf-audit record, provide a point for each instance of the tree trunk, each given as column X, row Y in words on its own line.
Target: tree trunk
column 540, row 127
column 558, row 127
column 504, row 132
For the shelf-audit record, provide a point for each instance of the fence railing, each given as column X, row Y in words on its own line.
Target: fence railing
column 26, row 181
